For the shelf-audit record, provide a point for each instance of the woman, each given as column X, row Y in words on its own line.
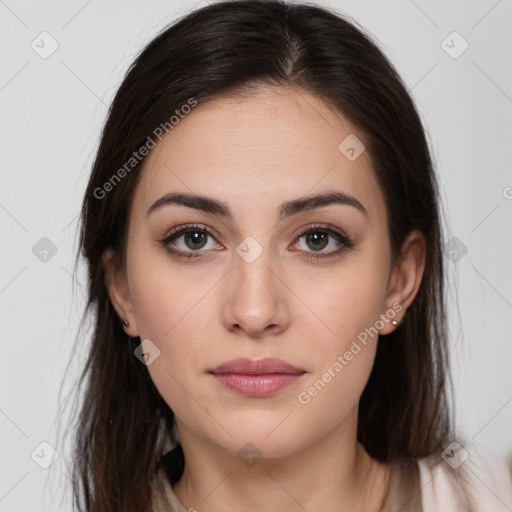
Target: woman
column 263, row 240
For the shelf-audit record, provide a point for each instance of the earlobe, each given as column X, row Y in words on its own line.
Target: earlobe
column 406, row 278
column 118, row 291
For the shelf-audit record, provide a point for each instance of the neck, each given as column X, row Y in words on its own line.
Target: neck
column 332, row 473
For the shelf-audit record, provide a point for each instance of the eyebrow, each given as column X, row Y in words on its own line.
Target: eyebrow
column 286, row 209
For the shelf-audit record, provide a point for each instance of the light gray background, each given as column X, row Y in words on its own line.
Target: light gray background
column 52, row 112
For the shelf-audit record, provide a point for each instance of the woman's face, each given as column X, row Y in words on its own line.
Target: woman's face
column 249, row 282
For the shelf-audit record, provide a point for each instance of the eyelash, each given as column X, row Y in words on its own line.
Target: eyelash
column 345, row 241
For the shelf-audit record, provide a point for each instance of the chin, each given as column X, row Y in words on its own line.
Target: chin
column 250, row 449
column 266, row 441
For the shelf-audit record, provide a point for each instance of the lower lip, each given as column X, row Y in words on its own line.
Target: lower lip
column 257, row 385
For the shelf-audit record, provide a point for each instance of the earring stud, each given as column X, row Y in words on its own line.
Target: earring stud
column 394, row 323
column 125, row 323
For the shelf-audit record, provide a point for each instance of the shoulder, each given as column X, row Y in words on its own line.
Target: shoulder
column 448, row 482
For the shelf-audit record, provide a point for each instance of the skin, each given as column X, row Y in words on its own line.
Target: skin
column 253, row 153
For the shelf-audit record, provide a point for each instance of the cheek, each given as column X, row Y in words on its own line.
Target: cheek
column 172, row 311
column 351, row 309
column 332, row 395
column 173, row 317
column 166, row 294
column 347, row 299
column 176, row 327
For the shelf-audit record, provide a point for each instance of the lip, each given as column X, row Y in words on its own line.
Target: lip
column 259, row 378
column 245, row 366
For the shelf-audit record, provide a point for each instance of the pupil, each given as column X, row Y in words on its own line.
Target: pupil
column 195, row 237
column 318, row 238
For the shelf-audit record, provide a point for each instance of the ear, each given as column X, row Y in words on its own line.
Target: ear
column 405, row 278
column 118, row 290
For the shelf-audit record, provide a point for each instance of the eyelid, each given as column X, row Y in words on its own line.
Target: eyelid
column 186, row 227
column 323, row 227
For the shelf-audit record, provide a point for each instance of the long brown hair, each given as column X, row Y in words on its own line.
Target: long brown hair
column 124, row 428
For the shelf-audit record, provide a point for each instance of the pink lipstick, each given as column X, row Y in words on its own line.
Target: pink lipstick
column 256, row 378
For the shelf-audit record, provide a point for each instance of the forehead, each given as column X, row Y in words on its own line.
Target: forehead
column 265, row 147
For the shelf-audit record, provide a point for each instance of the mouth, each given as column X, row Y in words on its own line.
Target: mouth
column 256, row 378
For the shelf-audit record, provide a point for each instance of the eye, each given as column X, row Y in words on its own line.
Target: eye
column 318, row 238
column 184, row 241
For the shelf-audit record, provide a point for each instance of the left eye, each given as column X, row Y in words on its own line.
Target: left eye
column 316, row 240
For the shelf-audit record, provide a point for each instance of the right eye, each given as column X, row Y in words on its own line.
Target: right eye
column 184, row 241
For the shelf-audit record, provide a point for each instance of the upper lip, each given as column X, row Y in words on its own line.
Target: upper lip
column 264, row 366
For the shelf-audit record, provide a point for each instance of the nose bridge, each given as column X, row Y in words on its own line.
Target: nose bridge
column 255, row 298
column 253, row 274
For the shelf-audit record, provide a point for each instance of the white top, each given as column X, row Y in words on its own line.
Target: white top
column 430, row 491
column 490, row 483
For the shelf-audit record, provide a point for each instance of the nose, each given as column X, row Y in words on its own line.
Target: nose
column 256, row 297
